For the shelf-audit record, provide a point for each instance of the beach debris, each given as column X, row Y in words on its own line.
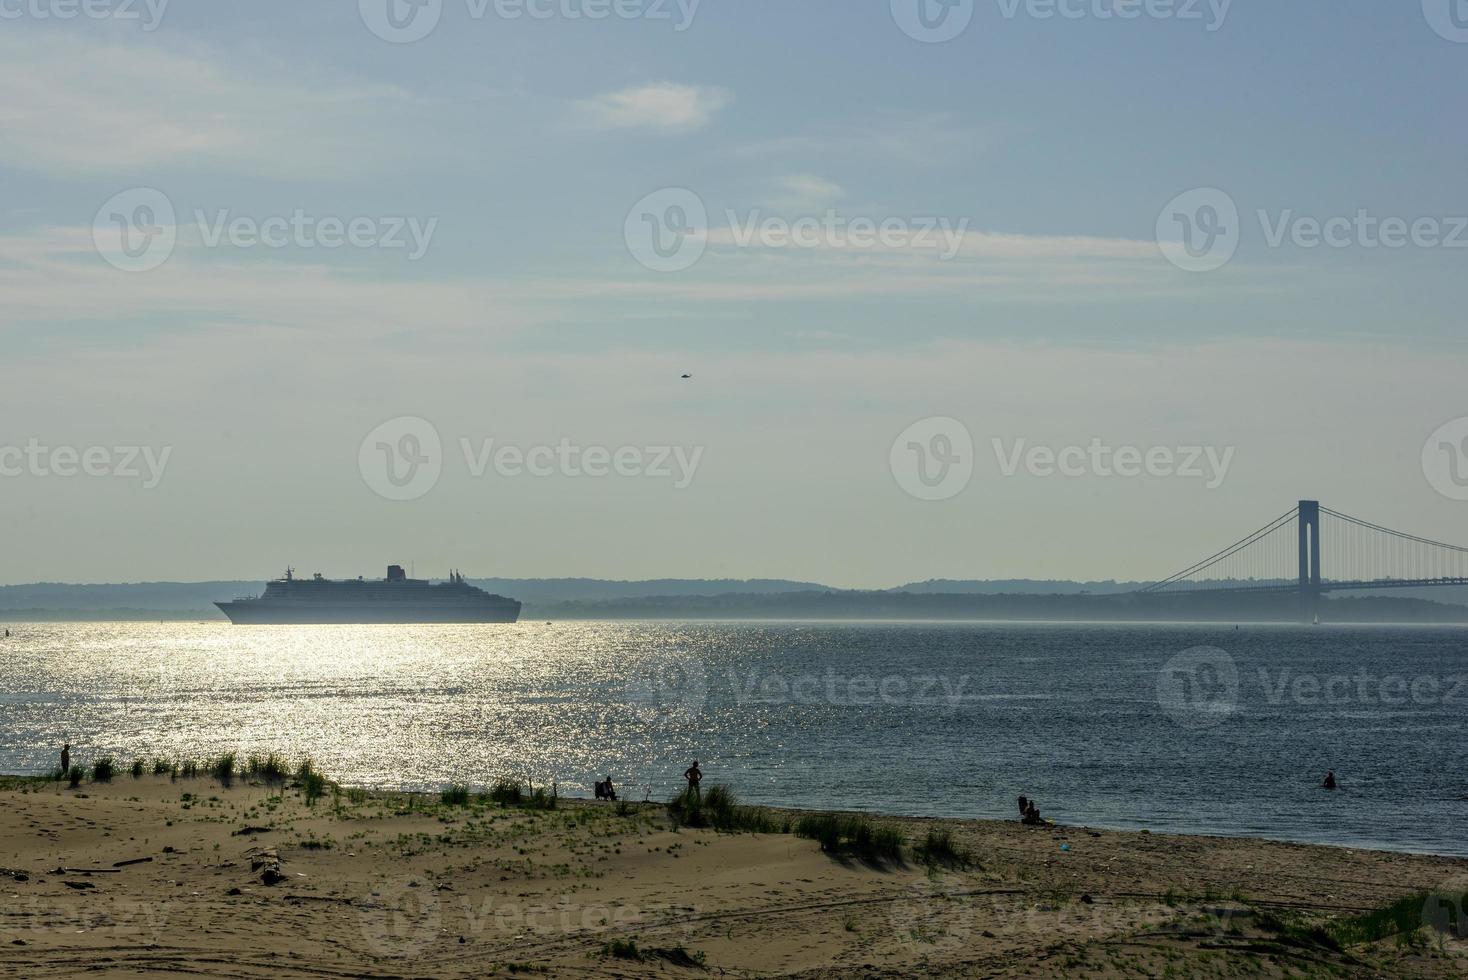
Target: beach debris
column 266, row 861
column 245, row 831
column 131, row 861
column 79, row 885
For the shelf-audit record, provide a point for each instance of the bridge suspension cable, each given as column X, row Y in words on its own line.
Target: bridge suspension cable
column 1238, row 563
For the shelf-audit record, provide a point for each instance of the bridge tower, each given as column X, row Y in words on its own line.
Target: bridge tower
column 1309, row 560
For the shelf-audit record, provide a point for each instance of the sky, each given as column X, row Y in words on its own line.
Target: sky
column 966, row 288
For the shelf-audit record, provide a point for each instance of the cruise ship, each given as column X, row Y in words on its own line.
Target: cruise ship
column 395, row 599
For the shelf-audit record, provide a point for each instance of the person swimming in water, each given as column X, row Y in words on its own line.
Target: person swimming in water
column 1329, row 780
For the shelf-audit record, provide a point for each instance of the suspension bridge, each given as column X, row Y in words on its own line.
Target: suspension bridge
column 1312, row 550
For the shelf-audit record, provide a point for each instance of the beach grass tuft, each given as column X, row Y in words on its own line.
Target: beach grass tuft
column 455, row 794
column 852, row 834
column 222, row 769
column 103, row 770
column 74, row 776
column 719, row 808
column 939, row 850
column 270, row 767
column 137, row 769
column 313, row 785
column 623, row 949
column 506, row 792
column 1403, row 919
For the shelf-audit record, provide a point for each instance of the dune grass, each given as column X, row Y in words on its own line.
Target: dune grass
column 103, row 770
column 1403, row 918
column 938, row 849
column 855, row 834
column 719, row 808
column 455, row 794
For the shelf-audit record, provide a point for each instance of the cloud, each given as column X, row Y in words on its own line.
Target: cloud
column 662, row 105
column 80, row 107
column 807, row 192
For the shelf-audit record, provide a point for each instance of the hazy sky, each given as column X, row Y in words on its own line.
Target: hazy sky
column 527, row 223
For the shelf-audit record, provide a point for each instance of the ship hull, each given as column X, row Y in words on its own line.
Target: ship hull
column 256, row 613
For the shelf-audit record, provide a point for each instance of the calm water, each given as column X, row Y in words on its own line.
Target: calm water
column 1120, row 726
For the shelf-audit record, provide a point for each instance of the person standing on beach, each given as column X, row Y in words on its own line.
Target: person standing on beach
column 65, row 759
column 694, row 775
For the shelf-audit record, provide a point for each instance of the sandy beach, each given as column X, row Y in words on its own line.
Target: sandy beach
column 185, row 875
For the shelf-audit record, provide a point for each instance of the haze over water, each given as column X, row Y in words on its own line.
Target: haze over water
column 951, row 720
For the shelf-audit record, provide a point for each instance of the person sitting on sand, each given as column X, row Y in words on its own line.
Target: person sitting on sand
column 65, row 759
column 606, row 791
column 1329, row 780
column 1024, row 804
column 694, row 775
column 1032, row 816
